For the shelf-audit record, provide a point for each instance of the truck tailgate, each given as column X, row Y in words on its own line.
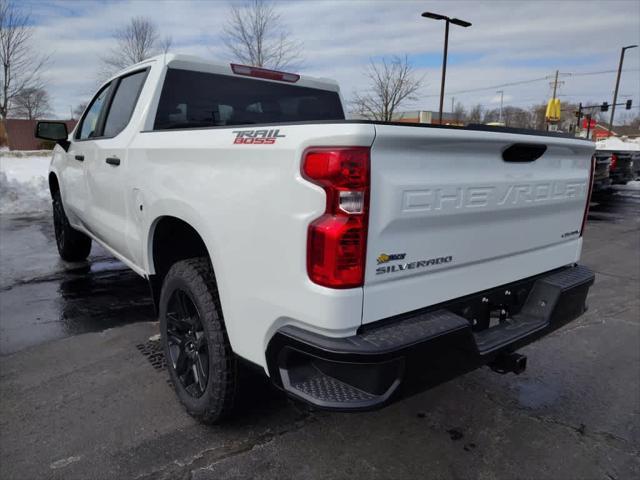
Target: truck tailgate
column 449, row 216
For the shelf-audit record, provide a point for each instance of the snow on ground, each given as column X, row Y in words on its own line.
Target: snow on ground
column 23, row 182
column 633, row 185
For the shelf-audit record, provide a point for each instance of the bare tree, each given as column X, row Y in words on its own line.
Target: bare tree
column 475, row 114
column 255, row 35
column 632, row 120
column 491, row 116
column 77, row 111
column 135, row 42
column 32, row 104
column 459, row 113
column 392, row 82
column 537, row 113
column 22, row 65
column 165, row 44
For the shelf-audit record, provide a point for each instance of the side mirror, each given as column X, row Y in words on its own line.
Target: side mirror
column 56, row 131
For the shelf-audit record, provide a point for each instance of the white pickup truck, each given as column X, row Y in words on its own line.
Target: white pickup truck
column 353, row 261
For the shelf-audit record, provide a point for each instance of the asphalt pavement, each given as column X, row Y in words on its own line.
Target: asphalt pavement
column 83, row 393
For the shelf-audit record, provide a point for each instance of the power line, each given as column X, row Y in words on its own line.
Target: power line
column 533, row 80
column 584, row 74
column 502, row 85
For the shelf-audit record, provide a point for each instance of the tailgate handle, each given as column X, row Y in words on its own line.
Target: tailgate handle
column 523, row 152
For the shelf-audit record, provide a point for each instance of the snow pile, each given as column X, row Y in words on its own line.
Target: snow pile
column 617, row 144
column 23, row 183
column 632, row 185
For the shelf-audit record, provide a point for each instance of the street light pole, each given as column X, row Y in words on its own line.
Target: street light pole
column 448, row 20
column 615, row 93
column 501, row 92
column 444, row 66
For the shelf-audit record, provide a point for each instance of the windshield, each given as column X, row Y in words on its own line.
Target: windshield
column 196, row 99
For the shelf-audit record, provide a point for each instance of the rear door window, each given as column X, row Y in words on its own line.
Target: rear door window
column 124, row 101
column 192, row 99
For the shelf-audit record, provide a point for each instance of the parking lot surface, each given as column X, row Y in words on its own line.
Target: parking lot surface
column 83, row 393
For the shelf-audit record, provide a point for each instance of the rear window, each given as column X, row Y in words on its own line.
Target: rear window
column 196, row 99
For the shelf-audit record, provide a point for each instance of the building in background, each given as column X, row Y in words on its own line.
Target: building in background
column 18, row 134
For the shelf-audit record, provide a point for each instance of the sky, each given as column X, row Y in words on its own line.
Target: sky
column 511, row 46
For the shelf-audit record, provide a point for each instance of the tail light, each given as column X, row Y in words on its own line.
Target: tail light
column 336, row 244
column 590, row 189
column 614, row 162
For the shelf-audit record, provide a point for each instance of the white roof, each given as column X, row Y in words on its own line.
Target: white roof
column 192, row 62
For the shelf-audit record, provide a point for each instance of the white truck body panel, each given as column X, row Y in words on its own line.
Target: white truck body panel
column 440, row 193
column 252, row 208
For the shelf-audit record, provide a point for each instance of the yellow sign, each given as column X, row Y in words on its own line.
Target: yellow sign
column 553, row 110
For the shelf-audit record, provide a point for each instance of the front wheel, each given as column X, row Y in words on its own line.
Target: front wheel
column 199, row 358
column 73, row 246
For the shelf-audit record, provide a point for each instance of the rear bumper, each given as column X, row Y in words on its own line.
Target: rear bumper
column 409, row 353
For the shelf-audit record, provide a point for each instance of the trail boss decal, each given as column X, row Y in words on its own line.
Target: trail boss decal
column 413, row 265
column 257, row 137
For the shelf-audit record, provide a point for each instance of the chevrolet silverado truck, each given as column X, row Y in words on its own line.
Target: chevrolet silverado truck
column 354, row 262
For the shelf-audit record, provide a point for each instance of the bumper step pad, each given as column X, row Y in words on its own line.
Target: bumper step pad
column 331, row 390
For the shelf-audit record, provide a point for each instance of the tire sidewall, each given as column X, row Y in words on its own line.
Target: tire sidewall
column 75, row 246
column 199, row 405
column 60, row 222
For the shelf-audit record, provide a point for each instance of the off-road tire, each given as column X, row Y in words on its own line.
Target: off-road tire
column 73, row 246
column 195, row 277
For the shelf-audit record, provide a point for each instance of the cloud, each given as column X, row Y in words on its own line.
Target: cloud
column 508, row 42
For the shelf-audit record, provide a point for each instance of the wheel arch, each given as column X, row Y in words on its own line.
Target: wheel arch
column 170, row 240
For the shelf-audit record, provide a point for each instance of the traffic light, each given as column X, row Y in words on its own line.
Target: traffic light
column 628, row 105
column 604, row 107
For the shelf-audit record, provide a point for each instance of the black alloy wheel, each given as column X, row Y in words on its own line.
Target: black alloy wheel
column 187, row 343
column 59, row 224
column 73, row 246
column 200, row 360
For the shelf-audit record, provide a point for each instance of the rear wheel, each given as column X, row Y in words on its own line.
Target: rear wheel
column 73, row 246
column 199, row 358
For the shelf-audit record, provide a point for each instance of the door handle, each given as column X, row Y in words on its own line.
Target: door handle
column 115, row 161
column 80, row 158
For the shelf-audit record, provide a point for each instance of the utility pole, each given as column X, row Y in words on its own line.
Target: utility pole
column 552, row 124
column 501, row 92
column 615, row 93
column 579, row 115
column 453, row 101
column 555, row 85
